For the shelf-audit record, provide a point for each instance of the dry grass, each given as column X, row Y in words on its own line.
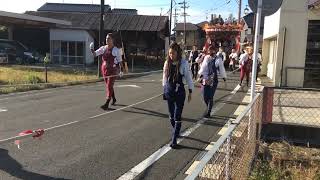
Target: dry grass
column 18, row 75
column 285, row 161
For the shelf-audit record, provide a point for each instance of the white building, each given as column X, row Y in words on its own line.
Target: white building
column 291, row 44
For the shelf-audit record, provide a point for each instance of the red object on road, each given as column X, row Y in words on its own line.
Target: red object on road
column 38, row 134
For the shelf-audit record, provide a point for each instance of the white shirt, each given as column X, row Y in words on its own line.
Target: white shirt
column 243, row 58
column 259, row 58
column 184, row 70
column 200, row 58
column 115, row 52
column 233, row 56
column 223, row 54
column 204, row 70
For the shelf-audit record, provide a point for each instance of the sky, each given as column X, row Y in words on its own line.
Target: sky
column 198, row 11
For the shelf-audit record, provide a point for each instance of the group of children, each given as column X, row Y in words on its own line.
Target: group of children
column 244, row 61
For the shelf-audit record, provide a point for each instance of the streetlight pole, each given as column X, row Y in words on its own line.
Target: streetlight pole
column 256, row 48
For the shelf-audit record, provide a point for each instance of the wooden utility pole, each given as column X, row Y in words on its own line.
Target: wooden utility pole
column 101, row 34
column 239, row 11
column 170, row 22
column 184, row 24
column 175, row 17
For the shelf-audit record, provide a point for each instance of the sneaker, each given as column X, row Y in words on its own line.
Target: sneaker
column 207, row 115
column 174, row 146
column 114, row 101
column 106, row 105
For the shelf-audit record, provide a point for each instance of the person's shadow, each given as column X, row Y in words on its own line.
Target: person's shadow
column 14, row 168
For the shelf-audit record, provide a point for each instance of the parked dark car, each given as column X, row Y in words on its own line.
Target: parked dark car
column 18, row 53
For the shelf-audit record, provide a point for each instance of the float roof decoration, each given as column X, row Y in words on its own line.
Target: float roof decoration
column 223, row 27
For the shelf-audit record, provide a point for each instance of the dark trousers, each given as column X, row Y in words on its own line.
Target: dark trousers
column 244, row 72
column 258, row 70
column 175, row 107
column 232, row 67
column 208, row 93
column 194, row 70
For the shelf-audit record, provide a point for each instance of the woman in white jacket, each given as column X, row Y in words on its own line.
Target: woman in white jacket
column 176, row 69
column 211, row 66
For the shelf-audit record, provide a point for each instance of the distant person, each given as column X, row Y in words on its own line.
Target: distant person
column 111, row 66
column 245, row 62
column 201, row 56
column 194, row 65
column 211, row 65
column 259, row 63
column 233, row 57
column 176, row 69
column 124, row 60
column 221, row 51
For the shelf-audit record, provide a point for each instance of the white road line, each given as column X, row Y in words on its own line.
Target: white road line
column 74, row 122
column 128, row 85
column 126, row 106
column 27, row 94
column 3, row 110
column 135, row 171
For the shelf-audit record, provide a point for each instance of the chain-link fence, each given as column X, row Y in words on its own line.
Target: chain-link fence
column 232, row 155
column 296, row 106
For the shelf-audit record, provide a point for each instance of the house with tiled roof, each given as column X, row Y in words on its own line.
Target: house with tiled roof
column 68, row 42
column 194, row 35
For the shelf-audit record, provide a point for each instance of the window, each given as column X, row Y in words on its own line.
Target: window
column 68, row 52
column 312, row 63
column 55, row 52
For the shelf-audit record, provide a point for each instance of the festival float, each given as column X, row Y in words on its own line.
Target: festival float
column 223, row 34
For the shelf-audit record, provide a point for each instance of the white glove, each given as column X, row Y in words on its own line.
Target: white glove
column 91, row 45
column 121, row 74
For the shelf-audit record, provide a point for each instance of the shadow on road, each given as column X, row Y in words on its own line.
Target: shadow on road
column 15, row 169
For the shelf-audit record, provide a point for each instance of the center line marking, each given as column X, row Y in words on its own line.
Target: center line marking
column 3, row 110
column 135, row 171
column 74, row 122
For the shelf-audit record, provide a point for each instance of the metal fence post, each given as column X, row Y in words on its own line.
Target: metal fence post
column 227, row 167
column 132, row 61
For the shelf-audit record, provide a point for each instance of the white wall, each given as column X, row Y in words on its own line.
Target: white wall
column 74, row 35
column 289, row 25
column 294, row 18
column 271, row 25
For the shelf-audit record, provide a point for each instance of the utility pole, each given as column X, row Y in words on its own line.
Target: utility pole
column 101, row 33
column 175, row 17
column 170, row 23
column 239, row 11
column 184, row 25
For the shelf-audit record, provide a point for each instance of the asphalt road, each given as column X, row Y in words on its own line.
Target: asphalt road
column 105, row 144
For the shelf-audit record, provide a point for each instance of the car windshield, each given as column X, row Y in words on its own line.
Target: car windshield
column 4, row 45
column 19, row 46
column 13, row 45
